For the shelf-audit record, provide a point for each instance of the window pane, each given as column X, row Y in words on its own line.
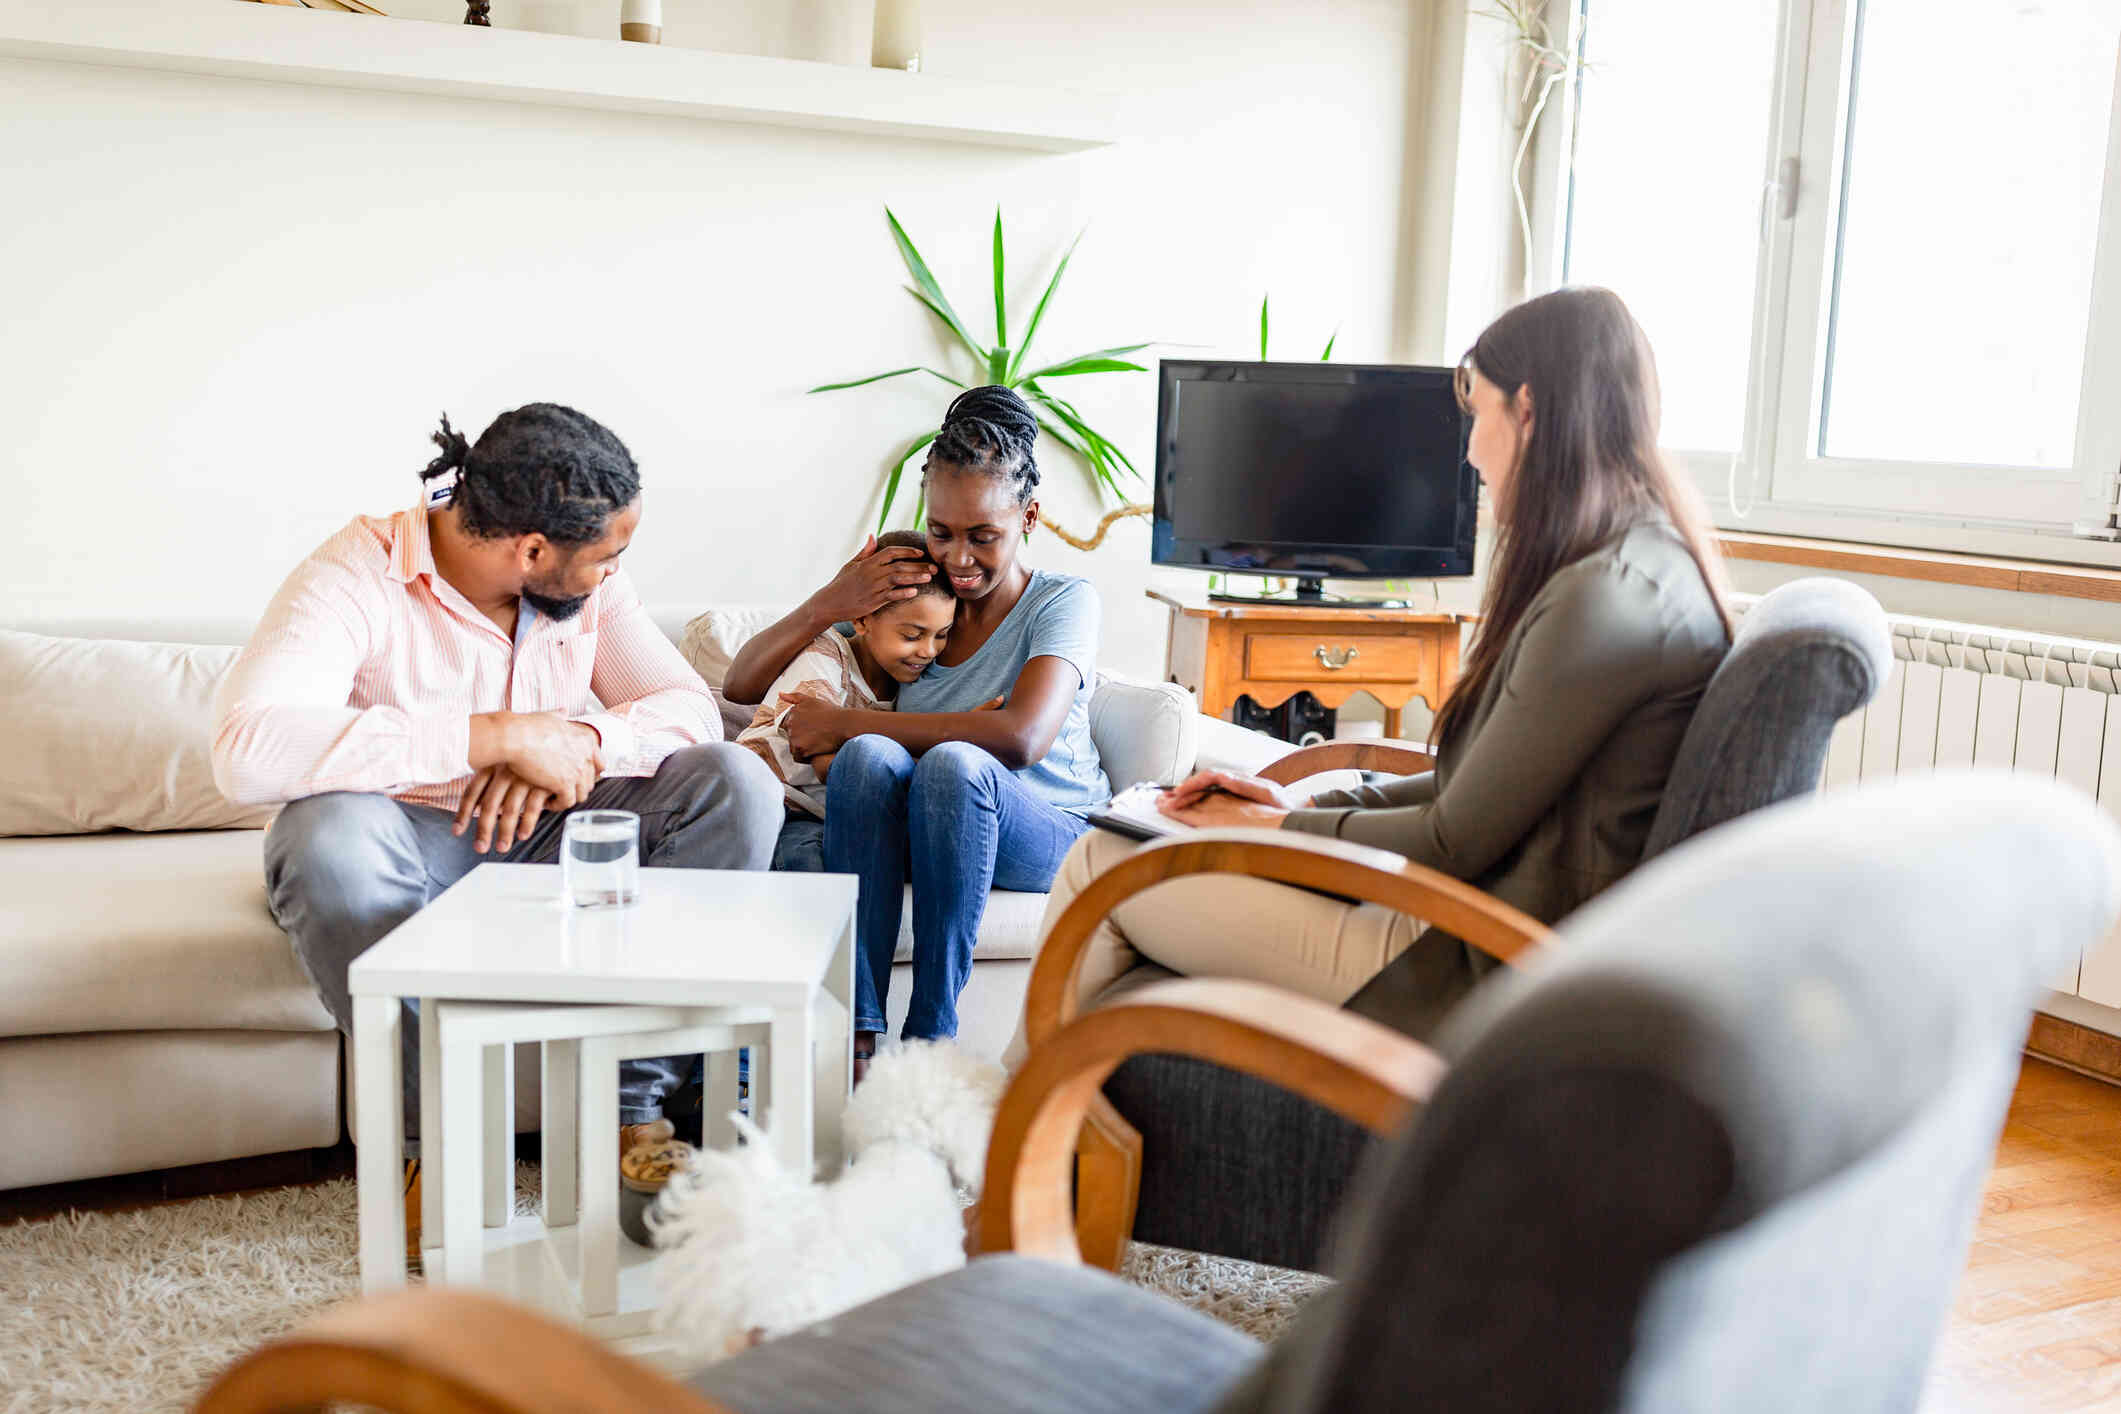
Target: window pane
column 1969, row 208
column 1664, row 192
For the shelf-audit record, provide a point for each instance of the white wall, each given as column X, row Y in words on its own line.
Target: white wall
column 235, row 309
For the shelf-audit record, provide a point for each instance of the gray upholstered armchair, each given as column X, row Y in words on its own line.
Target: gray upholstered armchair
column 1721, row 1151
column 1196, row 1156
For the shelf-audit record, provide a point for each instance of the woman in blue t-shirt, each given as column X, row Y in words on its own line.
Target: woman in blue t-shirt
column 953, row 792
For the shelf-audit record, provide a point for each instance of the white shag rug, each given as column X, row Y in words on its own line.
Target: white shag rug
column 135, row 1313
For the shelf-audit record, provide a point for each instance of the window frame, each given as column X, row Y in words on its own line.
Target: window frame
column 1774, row 481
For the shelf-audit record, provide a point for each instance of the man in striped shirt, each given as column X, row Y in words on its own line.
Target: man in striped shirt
column 441, row 686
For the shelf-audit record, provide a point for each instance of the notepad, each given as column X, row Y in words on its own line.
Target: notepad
column 1133, row 813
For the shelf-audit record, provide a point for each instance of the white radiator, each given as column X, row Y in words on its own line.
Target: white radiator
column 1964, row 695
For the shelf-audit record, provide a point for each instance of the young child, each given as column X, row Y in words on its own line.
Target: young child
column 891, row 646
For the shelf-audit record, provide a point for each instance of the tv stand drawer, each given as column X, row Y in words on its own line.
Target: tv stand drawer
column 1351, row 657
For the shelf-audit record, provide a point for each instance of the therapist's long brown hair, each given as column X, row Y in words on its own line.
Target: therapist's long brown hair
column 1587, row 470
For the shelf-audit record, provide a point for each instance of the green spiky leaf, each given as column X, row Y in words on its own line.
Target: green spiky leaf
column 1038, row 312
column 1332, row 339
column 1098, row 451
column 924, row 278
column 880, row 377
column 883, row 516
column 1099, row 472
column 1102, row 445
column 949, row 319
column 1262, row 328
column 1090, row 365
column 1001, row 309
column 1097, row 361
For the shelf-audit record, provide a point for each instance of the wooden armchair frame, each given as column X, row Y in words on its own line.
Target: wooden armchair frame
column 1401, row 758
column 444, row 1350
column 1109, row 1150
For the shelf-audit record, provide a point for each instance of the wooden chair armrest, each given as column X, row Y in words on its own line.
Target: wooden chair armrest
column 1367, row 1073
column 1401, row 758
column 1282, row 856
column 443, row 1350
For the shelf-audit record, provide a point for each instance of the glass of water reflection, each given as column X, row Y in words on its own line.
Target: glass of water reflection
column 600, row 858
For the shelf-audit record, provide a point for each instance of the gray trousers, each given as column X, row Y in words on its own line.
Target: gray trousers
column 342, row 869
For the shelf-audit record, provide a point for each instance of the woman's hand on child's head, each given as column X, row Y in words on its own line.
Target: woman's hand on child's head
column 872, row 579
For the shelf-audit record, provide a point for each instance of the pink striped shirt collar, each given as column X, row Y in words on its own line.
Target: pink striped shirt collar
column 412, row 551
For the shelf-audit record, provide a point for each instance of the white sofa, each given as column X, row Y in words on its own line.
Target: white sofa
column 151, row 1013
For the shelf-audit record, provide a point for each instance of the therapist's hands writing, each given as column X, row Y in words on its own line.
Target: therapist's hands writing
column 1209, row 798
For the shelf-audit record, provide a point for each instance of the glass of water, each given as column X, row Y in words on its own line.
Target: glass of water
column 600, row 858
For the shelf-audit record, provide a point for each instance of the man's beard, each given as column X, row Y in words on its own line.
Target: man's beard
column 558, row 610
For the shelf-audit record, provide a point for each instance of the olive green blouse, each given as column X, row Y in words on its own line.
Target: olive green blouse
column 1547, row 793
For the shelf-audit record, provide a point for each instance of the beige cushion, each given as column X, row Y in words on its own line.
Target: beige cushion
column 710, row 640
column 110, row 735
column 146, row 932
column 1010, row 928
column 119, row 1102
column 1145, row 731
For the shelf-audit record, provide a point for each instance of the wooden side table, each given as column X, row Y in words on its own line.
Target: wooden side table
column 1271, row 652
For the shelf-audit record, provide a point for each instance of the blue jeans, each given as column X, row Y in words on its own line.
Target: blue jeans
column 801, row 847
column 955, row 823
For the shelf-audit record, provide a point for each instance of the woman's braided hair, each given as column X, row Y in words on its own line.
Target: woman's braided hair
column 992, row 431
column 539, row 469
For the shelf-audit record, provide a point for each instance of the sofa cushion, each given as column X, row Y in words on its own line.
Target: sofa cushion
column 1009, row 929
column 144, row 933
column 1145, row 731
column 111, row 735
column 123, row 1101
column 710, row 640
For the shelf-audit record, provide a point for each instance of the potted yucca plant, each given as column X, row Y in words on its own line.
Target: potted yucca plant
column 1007, row 363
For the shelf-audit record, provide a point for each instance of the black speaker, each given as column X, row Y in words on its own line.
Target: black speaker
column 1306, row 721
column 1301, row 719
column 1255, row 718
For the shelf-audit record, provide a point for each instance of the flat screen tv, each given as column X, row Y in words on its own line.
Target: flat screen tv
column 1311, row 470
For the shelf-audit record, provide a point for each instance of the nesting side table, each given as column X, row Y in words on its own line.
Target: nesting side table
column 705, row 961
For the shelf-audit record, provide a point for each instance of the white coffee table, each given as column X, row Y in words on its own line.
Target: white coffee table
column 697, row 938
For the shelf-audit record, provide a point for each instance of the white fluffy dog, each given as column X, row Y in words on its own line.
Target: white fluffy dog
column 751, row 1251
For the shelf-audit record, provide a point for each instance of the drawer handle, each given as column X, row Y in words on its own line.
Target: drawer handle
column 1328, row 661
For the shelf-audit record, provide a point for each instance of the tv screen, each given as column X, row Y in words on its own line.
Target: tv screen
column 1312, row 469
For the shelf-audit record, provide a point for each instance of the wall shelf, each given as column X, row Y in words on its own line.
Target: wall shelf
column 333, row 49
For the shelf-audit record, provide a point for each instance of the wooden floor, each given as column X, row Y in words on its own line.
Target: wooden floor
column 2037, row 1323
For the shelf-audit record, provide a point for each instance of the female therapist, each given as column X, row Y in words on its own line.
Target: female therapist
column 1602, row 620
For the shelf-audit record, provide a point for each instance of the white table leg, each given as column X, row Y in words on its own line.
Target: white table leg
column 430, row 1127
column 463, row 1240
column 561, row 1154
column 790, row 1060
column 831, row 1080
column 839, row 981
column 836, row 1080
column 761, row 1046
column 379, row 1170
column 598, row 1231
column 498, row 1143
column 716, row 1132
